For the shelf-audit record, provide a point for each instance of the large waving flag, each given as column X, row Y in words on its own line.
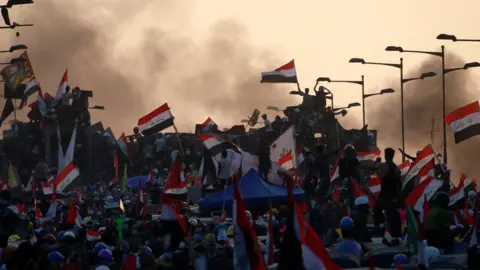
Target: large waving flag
column 425, row 156
column 404, row 167
column 245, row 231
column 156, row 121
column 372, row 155
column 425, row 190
column 465, row 121
column 284, row 74
column 216, row 144
column 176, row 183
column 65, row 177
column 62, row 86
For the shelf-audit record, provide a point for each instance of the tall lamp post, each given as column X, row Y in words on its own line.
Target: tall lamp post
column 402, row 82
column 444, row 71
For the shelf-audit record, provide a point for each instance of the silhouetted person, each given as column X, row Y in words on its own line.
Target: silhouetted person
column 389, row 197
column 322, row 167
column 264, row 162
column 224, row 165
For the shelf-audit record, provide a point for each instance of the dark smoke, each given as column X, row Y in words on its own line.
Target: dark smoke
column 422, row 101
column 217, row 77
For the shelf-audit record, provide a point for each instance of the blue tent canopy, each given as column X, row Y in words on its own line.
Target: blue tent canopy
column 134, row 181
column 255, row 191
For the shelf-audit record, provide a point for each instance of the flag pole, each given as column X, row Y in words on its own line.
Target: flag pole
column 178, row 138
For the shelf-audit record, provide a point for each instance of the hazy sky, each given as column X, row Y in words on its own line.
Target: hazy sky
column 321, row 35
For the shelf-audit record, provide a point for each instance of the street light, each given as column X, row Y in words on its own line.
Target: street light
column 466, row 66
column 362, row 83
column 444, row 71
column 351, row 105
column 399, row 66
column 455, row 39
column 12, row 3
column 15, row 25
column 423, row 76
column 384, row 91
column 15, row 48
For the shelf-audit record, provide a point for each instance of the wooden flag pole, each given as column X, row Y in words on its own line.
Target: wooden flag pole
column 179, row 141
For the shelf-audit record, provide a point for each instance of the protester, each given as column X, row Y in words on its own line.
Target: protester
column 438, row 222
column 389, row 198
column 348, row 245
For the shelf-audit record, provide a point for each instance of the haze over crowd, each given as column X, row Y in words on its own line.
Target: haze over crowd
column 135, row 56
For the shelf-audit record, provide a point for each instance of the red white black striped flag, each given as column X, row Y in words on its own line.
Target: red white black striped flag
column 284, row 74
column 156, row 121
column 465, row 122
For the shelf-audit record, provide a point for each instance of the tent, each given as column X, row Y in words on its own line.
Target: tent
column 255, row 191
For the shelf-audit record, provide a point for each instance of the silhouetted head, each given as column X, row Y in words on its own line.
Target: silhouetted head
column 307, row 90
column 264, row 116
column 136, row 130
column 349, row 151
column 389, row 154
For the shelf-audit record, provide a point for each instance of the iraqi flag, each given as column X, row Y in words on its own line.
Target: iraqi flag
column 208, row 124
column 247, row 247
column 314, row 253
column 335, row 172
column 425, row 156
column 176, row 183
column 158, row 120
column 216, row 144
column 465, row 122
column 66, row 177
column 93, row 235
column 458, row 193
column 284, row 74
column 404, row 167
column 425, row 189
column 375, row 185
column 62, row 86
column 124, row 146
column 362, row 156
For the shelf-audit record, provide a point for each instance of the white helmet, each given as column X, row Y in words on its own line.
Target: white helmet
column 362, row 200
column 432, row 254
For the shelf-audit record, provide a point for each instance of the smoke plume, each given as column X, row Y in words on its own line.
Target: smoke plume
column 134, row 66
column 423, row 114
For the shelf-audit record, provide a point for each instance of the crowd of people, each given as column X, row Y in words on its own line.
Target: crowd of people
column 103, row 221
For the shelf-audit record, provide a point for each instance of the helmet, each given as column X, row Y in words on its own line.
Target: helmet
column 55, row 256
column 231, row 231
column 362, row 200
column 105, row 255
column 193, row 222
column 346, row 223
column 249, row 215
column 432, row 254
column 399, row 259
